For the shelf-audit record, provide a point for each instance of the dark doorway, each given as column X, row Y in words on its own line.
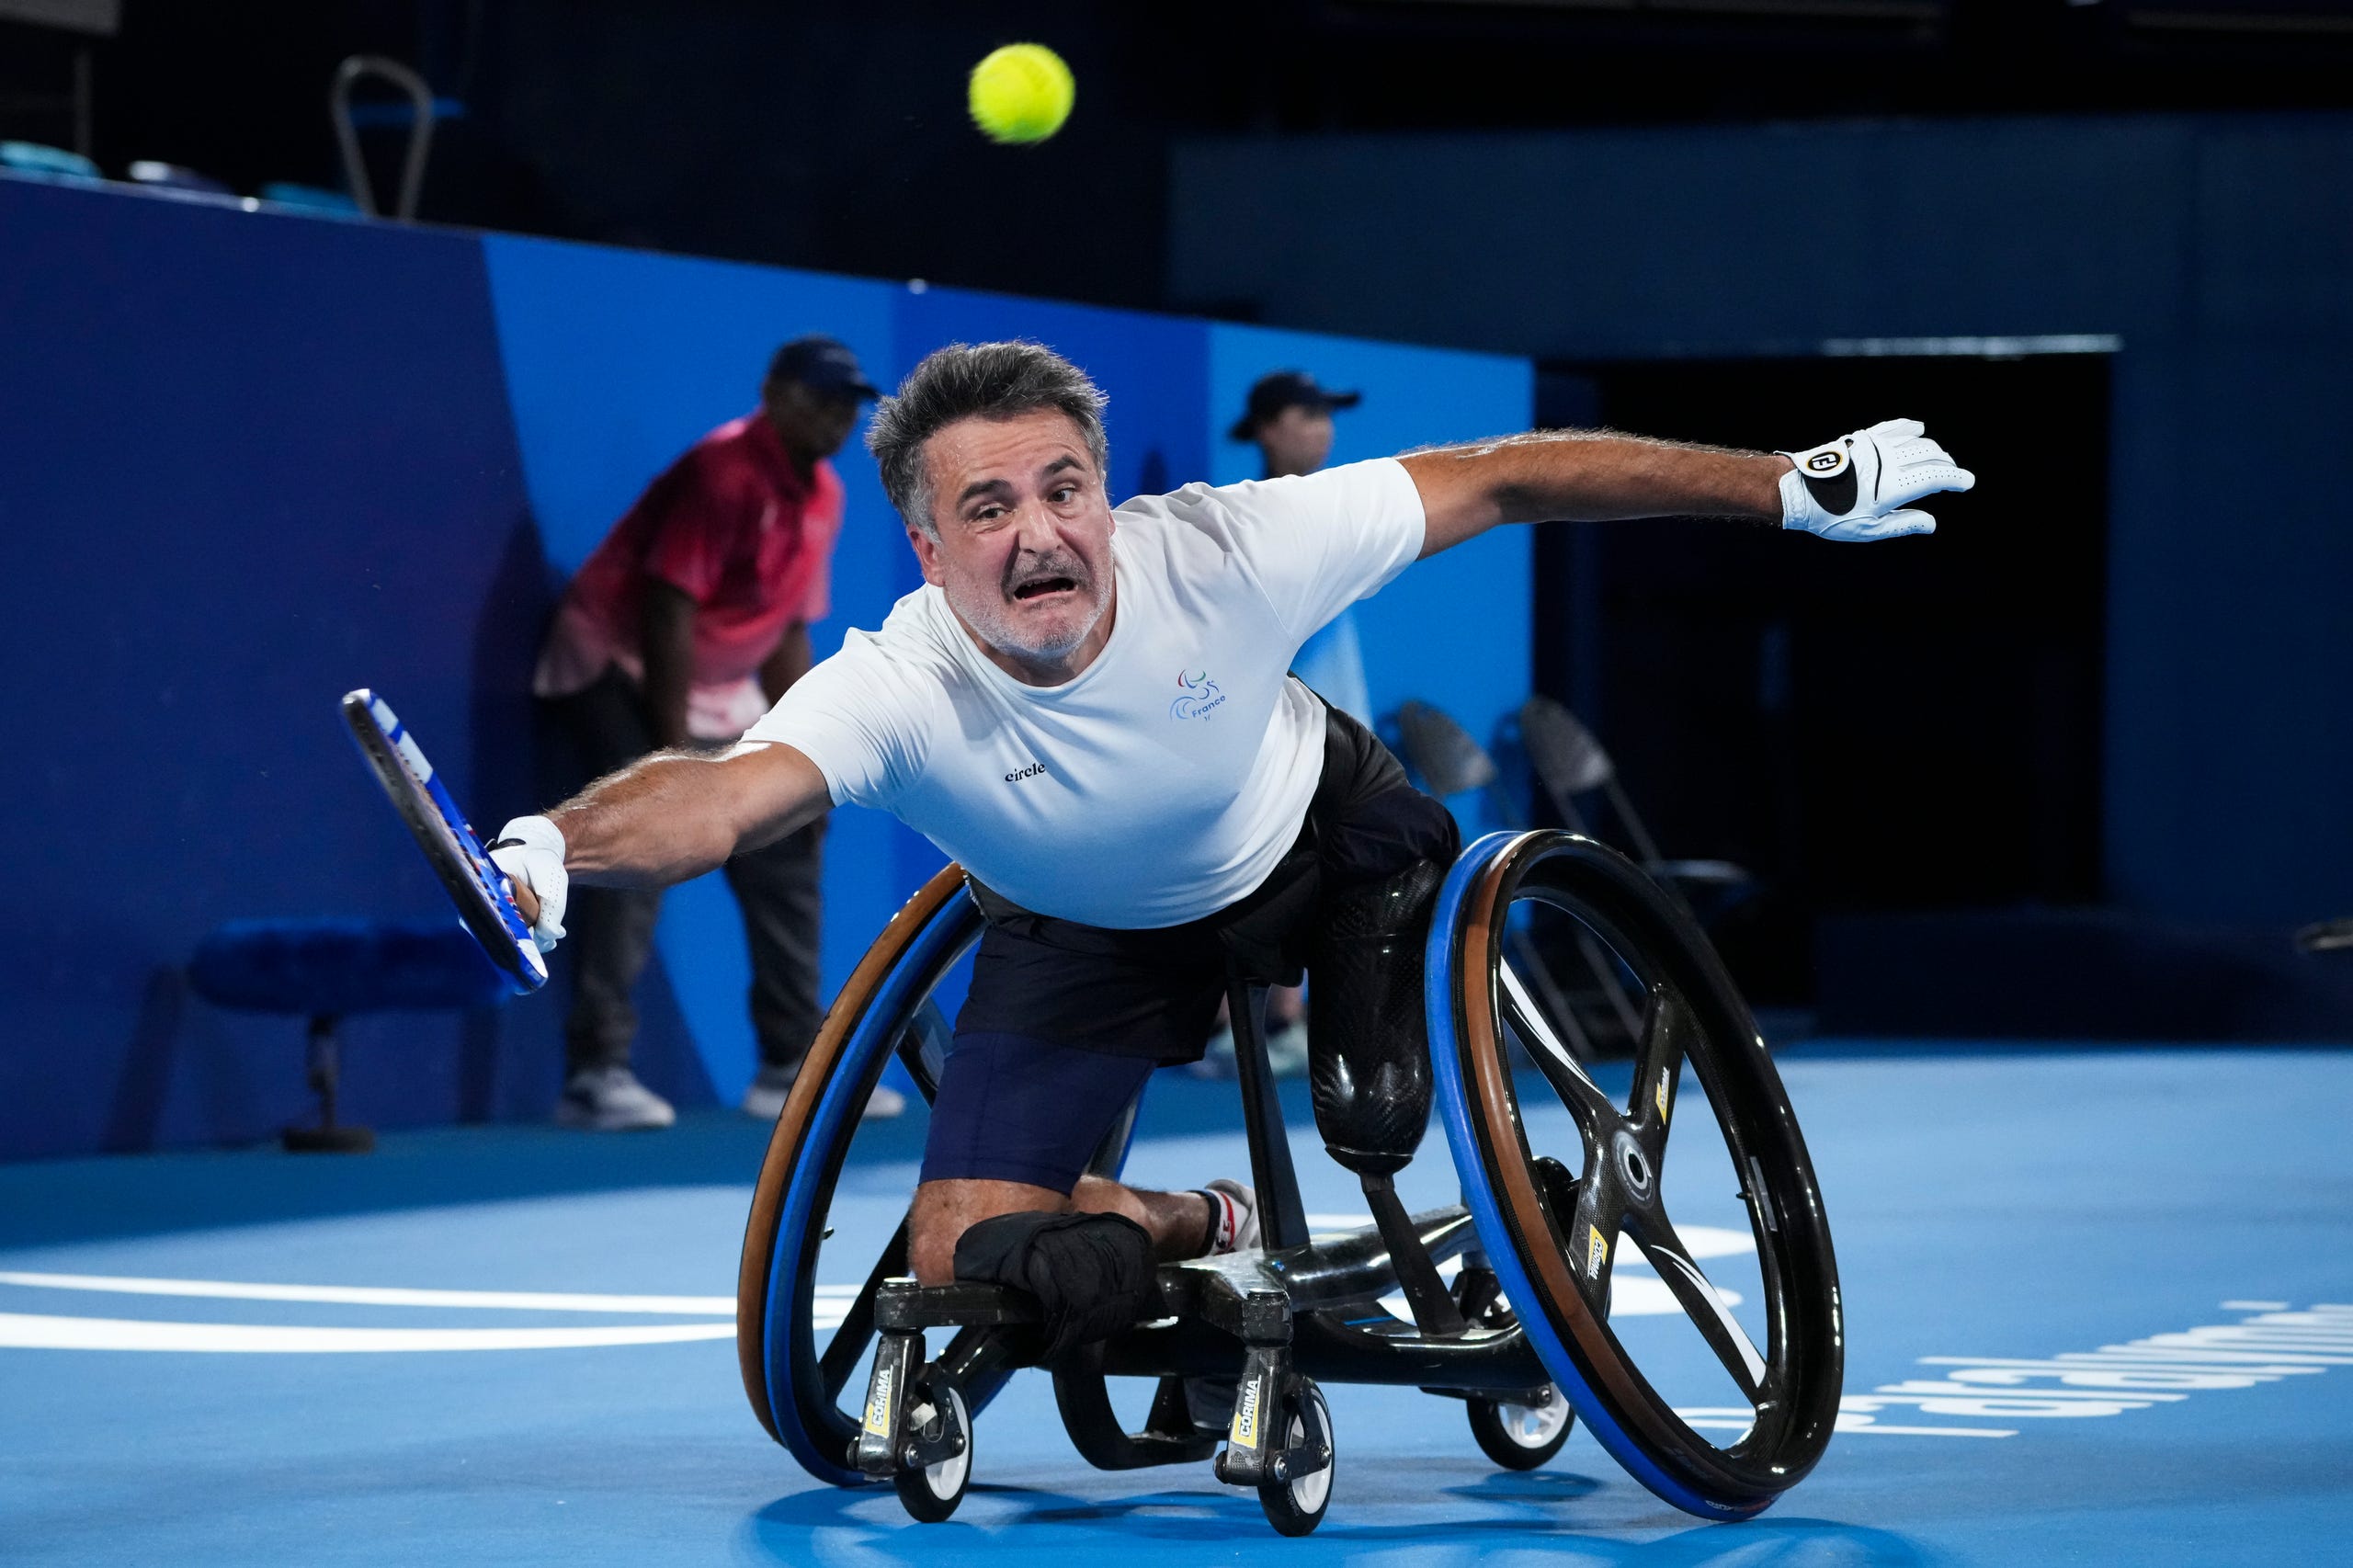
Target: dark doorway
column 1908, row 725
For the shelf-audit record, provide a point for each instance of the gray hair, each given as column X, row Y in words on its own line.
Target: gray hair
column 970, row 380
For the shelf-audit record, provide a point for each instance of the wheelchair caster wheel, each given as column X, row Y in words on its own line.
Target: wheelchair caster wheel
column 1522, row 1436
column 1296, row 1506
column 930, row 1492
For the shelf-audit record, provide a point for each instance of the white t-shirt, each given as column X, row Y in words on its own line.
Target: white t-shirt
column 1166, row 780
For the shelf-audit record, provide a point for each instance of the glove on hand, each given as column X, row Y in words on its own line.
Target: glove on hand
column 530, row 851
column 1858, row 488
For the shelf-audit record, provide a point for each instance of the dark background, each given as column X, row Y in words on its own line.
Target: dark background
column 2117, row 236
column 834, row 136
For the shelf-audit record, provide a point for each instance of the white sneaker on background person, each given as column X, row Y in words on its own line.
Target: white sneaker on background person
column 771, row 1086
column 610, row 1100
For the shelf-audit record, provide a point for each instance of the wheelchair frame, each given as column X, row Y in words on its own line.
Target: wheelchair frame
column 1297, row 1310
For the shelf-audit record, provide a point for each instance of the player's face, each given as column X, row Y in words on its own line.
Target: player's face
column 1024, row 551
column 1296, row 440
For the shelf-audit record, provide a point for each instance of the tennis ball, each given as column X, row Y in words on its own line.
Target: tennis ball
column 1021, row 92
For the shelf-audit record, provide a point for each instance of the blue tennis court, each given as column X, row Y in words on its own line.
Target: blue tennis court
column 2101, row 1309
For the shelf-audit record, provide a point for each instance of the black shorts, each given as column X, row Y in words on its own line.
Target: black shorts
column 1058, row 996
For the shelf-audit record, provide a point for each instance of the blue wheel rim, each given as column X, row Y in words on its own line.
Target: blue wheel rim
column 841, row 1104
column 1445, row 979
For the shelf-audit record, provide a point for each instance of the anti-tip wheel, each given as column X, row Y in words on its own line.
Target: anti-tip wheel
column 931, row 1491
column 1296, row 1506
column 1522, row 1436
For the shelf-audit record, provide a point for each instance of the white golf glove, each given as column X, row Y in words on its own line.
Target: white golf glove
column 1859, row 487
column 530, row 851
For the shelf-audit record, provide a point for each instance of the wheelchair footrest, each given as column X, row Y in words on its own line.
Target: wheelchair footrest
column 901, row 1305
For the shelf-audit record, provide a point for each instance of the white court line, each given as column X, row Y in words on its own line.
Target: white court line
column 24, row 1331
column 1737, row 1418
column 374, row 1296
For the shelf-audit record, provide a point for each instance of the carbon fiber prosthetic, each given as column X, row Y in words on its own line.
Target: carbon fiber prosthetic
column 1369, row 1060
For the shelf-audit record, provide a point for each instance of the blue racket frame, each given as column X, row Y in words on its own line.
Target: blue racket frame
column 480, row 891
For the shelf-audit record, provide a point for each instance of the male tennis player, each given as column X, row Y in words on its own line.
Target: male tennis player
column 1090, row 709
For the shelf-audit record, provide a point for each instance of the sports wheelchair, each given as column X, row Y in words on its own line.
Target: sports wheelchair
column 1556, row 1172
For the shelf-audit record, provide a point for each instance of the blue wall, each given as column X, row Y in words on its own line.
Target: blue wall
column 2219, row 248
column 249, row 461
column 1454, row 630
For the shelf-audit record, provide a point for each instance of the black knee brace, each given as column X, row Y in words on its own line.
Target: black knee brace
column 1369, row 1059
column 1092, row 1274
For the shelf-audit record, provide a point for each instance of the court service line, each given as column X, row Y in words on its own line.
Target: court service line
column 379, row 1296
column 25, row 1330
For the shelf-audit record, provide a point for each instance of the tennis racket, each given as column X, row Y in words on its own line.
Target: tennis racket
column 480, row 891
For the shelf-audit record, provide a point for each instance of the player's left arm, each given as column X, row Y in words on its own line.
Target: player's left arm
column 1858, row 487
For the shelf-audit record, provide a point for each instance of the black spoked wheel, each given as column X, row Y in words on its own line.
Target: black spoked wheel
column 1522, row 1436
column 815, row 1253
column 1298, row 1505
column 1560, row 1171
column 930, row 1492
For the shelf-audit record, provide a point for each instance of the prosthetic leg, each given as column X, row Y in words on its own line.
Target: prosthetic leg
column 1369, row 1060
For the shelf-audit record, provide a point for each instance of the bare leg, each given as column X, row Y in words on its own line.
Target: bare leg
column 944, row 1210
column 1179, row 1222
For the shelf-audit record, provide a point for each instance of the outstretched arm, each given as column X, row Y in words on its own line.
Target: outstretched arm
column 1854, row 488
column 661, row 820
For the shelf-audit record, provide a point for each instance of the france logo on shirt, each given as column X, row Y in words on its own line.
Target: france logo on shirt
column 1201, row 695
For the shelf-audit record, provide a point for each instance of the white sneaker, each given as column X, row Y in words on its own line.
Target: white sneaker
column 610, row 1100
column 1236, row 1225
column 1217, row 1058
column 1286, row 1050
column 771, row 1086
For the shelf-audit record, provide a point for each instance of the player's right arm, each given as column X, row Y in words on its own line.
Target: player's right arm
column 663, row 819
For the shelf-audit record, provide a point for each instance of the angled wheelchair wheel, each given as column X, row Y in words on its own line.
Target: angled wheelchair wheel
column 817, row 1247
column 815, row 1253
column 1716, row 1386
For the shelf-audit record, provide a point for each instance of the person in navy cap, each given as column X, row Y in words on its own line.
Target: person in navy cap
column 1289, row 418
column 682, row 629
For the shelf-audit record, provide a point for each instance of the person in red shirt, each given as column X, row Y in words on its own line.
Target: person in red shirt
column 682, row 629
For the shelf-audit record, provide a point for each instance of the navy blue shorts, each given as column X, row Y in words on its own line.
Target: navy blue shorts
column 1014, row 1108
column 1063, row 1022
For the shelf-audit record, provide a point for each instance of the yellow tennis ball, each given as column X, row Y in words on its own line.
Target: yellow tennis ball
column 1021, row 92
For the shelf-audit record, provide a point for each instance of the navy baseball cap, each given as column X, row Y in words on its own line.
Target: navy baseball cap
column 1279, row 390
column 822, row 364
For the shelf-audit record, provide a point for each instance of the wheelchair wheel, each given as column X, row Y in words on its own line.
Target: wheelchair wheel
column 930, row 1493
column 1522, row 1436
column 1558, row 1172
column 805, row 1383
column 1295, row 1507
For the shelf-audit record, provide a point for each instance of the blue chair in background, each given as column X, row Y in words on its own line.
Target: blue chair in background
column 327, row 970
column 44, row 162
column 157, row 175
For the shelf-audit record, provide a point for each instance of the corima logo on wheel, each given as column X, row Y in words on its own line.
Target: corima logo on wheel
column 1201, row 695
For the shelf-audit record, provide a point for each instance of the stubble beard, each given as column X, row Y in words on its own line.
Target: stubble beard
column 992, row 618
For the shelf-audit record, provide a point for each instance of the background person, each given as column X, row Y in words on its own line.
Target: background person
column 684, row 625
column 1288, row 416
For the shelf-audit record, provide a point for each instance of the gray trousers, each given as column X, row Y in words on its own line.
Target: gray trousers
column 611, row 929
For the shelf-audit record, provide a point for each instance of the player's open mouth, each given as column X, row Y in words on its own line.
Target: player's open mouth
column 1038, row 587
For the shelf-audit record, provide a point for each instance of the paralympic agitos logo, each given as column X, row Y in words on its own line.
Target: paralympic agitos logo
column 1201, row 695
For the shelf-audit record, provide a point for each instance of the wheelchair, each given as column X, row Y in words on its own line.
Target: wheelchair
column 1557, row 1176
